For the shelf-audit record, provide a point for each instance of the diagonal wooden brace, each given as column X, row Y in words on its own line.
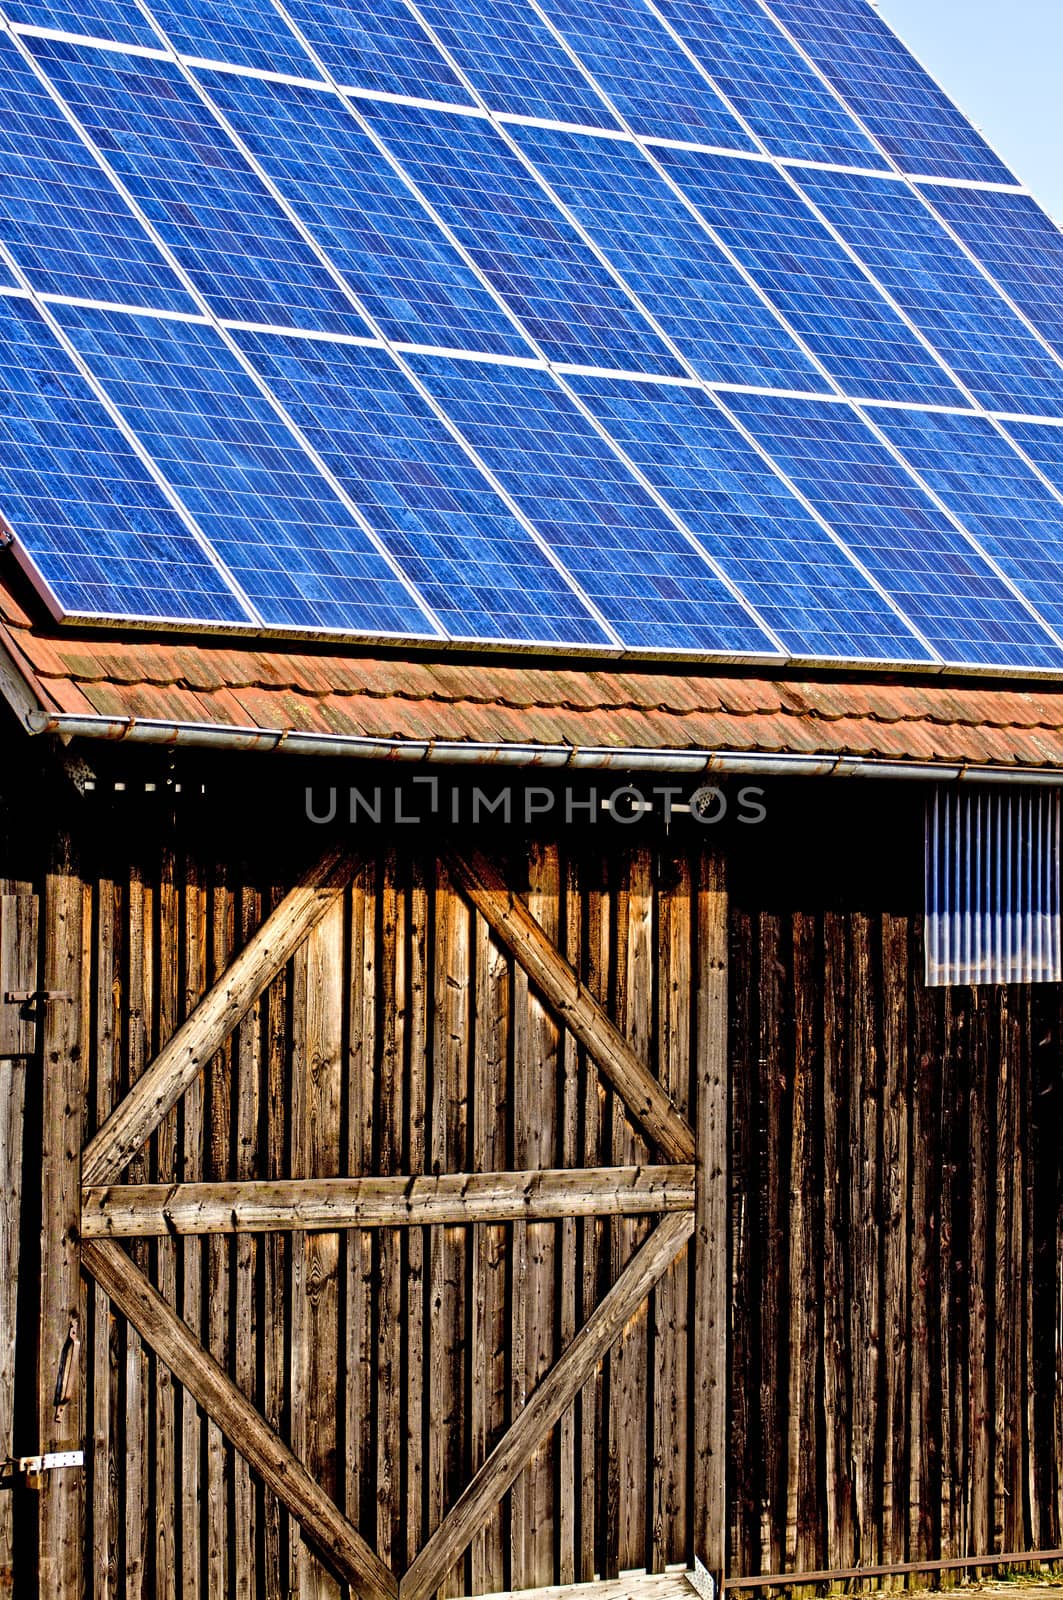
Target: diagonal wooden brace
column 338, row 1541
column 557, row 1390
column 576, row 1009
column 218, row 1014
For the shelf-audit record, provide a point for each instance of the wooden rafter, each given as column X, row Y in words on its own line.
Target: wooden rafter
column 575, row 1007
column 138, row 1211
column 180, row 1062
column 338, row 1541
column 593, row 1342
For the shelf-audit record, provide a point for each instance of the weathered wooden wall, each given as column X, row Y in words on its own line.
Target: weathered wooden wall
column 895, row 1234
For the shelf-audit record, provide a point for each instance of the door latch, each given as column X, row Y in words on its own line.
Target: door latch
column 33, row 1468
column 31, row 997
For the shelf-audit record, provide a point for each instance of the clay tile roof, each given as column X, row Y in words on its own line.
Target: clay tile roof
column 221, row 683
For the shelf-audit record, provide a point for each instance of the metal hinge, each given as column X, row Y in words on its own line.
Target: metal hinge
column 28, row 997
column 33, row 1468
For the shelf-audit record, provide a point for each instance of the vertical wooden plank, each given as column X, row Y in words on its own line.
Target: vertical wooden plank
column 521, row 1115
column 979, row 1389
column 108, row 981
column 248, row 1067
column 802, row 1512
column 567, row 1472
column 300, row 1560
column 274, row 1160
column 321, row 1105
column 488, row 1331
column 744, row 1538
column 61, row 1526
column 865, row 1306
column 710, row 1233
column 361, row 1063
column 134, row 1470
column 924, row 1499
column 535, row 1298
column 418, row 1034
column 218, row 1131
column 18, row 969
column 596, row 1555
column 895, row 1245
column 165, row 1166
column 953, row 1290
column 670, row 1357
column 190, row 1114
column 772, row 1220
column 393, row 1002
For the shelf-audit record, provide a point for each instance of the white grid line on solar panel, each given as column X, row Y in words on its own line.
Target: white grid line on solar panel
column 234, row 349
column 133, row 440
column 515, row 119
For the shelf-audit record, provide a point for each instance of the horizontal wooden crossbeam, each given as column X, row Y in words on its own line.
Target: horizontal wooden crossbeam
column 337, row 1540
column 138, row 1211
column 218, row 1014
column 557, row 1390
column 575, row 1007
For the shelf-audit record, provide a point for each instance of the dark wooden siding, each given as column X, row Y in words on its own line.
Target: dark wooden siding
column 895, row 1241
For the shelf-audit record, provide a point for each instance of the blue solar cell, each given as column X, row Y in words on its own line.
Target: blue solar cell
column 769, row 83
column 625, row 553
column 827, row 298
column 510, row 56
column 99, row 531
column 993, row 493
column 945, row 295
column 94, row 19
column 65, row 222
column 684, row 280
column 375, row 231
column 801, row 583
column 520, row 240
column 1044, row 446
column 891, row 525
column 273, row 519
column 475, row 564
column 646, row 75
column 1021, row 246
column 212, row 210
column 900, row 104
column 378, row 44
column 247, row 33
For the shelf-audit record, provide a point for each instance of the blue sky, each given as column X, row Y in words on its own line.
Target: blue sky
column 1002, row 61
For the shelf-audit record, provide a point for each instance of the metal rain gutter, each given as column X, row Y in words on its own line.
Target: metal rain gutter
column 458, row 752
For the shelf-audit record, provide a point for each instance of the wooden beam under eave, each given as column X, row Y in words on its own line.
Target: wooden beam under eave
column 557, row 1390
column 712, row 1120
column 141, row 1211
column 222, row 1009
column 338, row 1541
column 510, row 919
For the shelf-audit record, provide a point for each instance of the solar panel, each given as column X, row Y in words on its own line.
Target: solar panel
column 896, row 99
column 670, row 260
column 525, row 322
column 784, row 101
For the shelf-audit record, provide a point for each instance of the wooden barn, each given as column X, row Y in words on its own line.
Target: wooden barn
column 472, row 1126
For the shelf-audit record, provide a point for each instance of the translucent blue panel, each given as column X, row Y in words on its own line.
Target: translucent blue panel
column 271, row 516
column 475, row 564
column 67, row 225
column 226, row 230
column 683, row 278
column 510, row 56
column 247, row 33
column 645, row 73
column 941, row 290
column 1021, row 246
column 374, row 229
column 803, row 586
column 779, row 95
column 520, row 240
column 95, row 19
column 101, row 534
column 827, row 299
column 900, row 103
column 645, row 577
column 993, row 493
column 904, row 541
column 377, row 44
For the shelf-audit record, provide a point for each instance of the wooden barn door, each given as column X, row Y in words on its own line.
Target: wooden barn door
column 395, row 1134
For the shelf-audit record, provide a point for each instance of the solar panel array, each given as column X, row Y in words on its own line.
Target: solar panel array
column 698, row 327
